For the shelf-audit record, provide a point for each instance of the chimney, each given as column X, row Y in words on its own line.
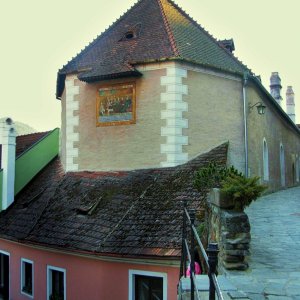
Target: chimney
column 227, row 44
column 290, row 103
column 8, row 158
column 275, row 87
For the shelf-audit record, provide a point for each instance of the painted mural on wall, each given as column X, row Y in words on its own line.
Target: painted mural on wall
column 116, row 105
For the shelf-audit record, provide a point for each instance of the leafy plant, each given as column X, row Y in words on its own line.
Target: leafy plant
column 241, row 189
column 233, row 184
column 212, row 176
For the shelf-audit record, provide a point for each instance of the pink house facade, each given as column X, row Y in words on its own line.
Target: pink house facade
column 84, row 277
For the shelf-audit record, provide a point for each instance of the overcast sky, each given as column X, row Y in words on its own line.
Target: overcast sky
column 38, row 37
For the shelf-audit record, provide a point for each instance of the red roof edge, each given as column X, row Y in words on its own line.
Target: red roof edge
column 169, row 30
column 175, row 252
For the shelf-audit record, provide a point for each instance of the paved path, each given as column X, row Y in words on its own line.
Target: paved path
column 274, row 264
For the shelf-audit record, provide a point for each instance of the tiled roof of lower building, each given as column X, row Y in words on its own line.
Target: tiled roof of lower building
column 135, row 214
column 25, row 142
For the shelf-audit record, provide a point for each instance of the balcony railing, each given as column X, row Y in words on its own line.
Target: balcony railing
column 210, row 256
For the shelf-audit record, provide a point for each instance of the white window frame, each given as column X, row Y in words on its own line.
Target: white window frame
column 49, row 280
column 131, row 283
column 22, row 281
column 266, row 160
column 8, row 254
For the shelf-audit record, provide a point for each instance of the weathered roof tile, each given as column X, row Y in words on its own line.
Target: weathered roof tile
column 124, row 222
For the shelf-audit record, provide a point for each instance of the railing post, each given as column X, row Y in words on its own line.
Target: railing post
column 183, row 255
column 192, row 267
column 212, row 253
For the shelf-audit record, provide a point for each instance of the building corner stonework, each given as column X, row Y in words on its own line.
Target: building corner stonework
column 72, row 123
column 173, row 116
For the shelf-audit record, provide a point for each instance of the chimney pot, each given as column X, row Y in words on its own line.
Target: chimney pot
column 8, row 158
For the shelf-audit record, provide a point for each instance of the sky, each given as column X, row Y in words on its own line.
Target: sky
column 38, row 37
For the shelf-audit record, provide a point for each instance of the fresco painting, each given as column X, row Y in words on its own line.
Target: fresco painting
column 116, row 105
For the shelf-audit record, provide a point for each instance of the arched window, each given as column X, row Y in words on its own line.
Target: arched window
column 297, row 168
column 282, row 166
column 266, row 160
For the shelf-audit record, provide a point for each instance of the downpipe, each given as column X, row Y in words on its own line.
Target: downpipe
column 245, row 81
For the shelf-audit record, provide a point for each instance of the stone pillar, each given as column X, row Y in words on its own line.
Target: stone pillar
column 8, row 159
column 275, row 87
column 290, row 103
column 231, row 230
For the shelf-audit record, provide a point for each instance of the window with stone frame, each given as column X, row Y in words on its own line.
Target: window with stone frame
column 144, row 285
column 27, row 278
column 4, row 275
column 56, row 283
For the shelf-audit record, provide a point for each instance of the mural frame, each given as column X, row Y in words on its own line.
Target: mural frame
column 117, row 87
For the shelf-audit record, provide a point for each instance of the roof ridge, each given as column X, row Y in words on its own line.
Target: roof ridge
column 195, row 23
column 34, row 133
column 105, row 31
column 169, row 30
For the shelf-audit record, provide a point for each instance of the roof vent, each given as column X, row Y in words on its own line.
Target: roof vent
column 129, row 35
column 132, row 33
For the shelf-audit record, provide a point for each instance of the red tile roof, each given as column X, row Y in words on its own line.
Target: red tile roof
column 133, row 214
column 159, row 30
column 25, row 142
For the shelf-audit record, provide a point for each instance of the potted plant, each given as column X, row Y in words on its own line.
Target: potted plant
column 235, row 190
column 241, row 190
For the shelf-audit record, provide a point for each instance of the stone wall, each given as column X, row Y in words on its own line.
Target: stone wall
column 231, row 230
column 272, row 128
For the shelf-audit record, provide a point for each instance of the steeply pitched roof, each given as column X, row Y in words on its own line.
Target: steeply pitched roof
column 157, row 30
column 26, row 141
column 135, row 213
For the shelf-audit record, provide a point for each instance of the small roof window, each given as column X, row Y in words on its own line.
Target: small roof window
column 132, row 33
column 129, row 35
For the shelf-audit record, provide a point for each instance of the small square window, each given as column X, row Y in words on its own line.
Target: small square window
column 27, row 277
column 145, row 285
column 56, row 281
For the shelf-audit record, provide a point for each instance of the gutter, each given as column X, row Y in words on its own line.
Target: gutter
column 171, row 261
column 245, row 81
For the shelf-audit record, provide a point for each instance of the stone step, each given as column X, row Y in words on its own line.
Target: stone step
column 229, row 291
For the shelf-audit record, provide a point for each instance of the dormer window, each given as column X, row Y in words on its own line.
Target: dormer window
column 129, row 35
column 132, row 33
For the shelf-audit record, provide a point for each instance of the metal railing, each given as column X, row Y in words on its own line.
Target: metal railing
column 187, row 256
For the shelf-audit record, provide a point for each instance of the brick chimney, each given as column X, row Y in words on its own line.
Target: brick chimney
column 290, row 103
column 227, row 44
column 8, row 158
column 275, row 87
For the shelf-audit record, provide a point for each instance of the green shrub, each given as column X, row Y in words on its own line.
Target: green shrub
column 233, row 184
column 212, row 176
column 241, row 189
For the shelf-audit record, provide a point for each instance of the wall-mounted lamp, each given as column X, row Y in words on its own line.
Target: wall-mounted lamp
column 260, row 107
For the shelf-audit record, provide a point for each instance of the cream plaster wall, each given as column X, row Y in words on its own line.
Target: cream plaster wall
column 122, row 147
column 215, row 114
column 275, row 130
column 201, row 108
